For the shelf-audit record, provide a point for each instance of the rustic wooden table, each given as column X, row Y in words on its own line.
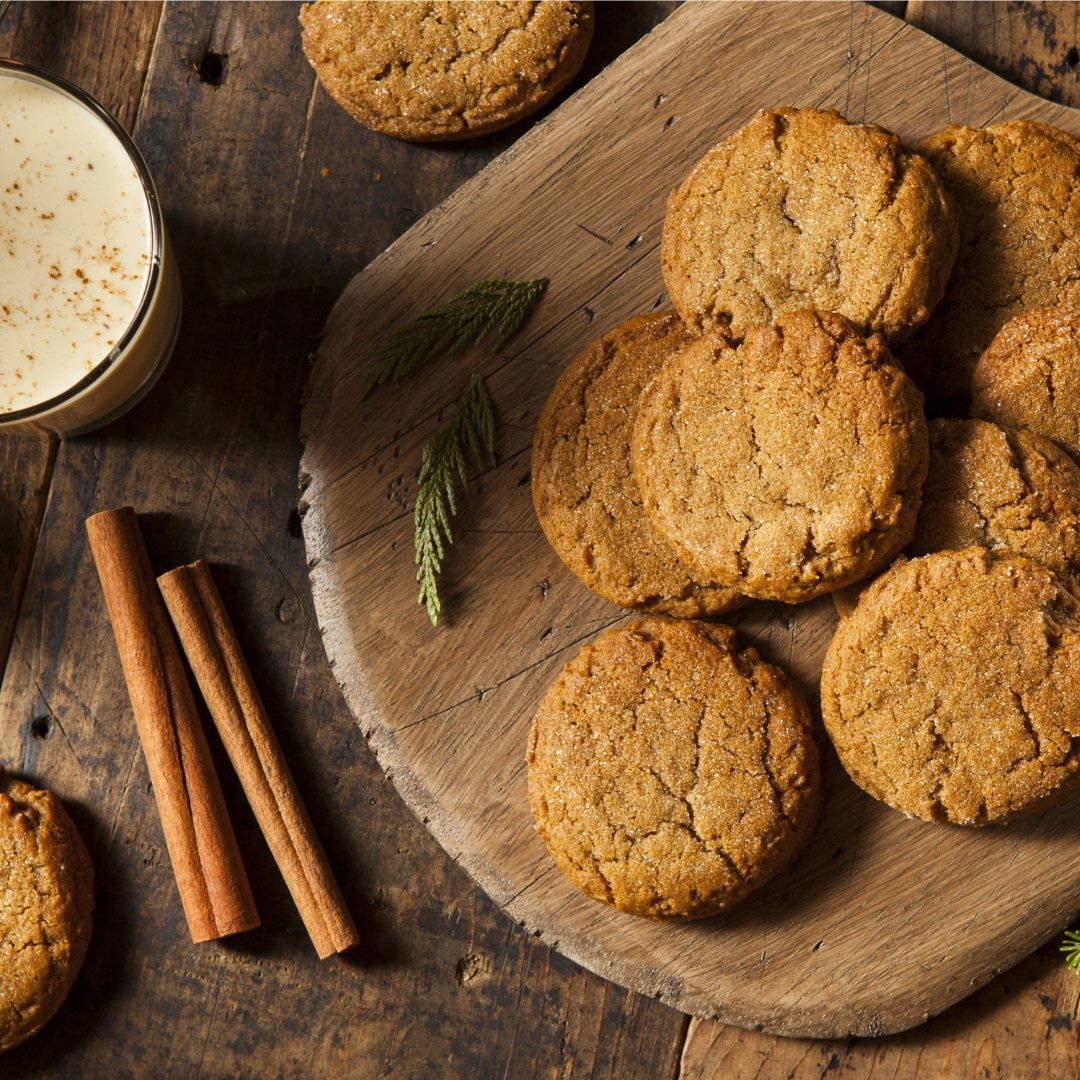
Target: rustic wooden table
column 274, row 199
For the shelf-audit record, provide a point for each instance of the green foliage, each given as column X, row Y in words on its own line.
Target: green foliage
column 498, row 307
column 1071, row 948
column 485, row 308
column 443, row 467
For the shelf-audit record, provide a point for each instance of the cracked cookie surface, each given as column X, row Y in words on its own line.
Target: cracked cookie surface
column 1029, row 375
column 802, row 209
column 441, row 70
column 671, row 771
column 1017, row 200
column 952, row 691
column 585, row 495
column 787, row 465
column 999, row 488
column 46, row 900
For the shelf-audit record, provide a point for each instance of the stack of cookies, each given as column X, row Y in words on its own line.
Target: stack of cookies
column 762, row 442
column 765, row 442
column 950, row 691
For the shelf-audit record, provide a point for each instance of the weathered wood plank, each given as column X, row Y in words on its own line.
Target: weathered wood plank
column 25, row 469
column 1021, row 1025
column 64, row 38
column 104, row 48
column 1035, row 45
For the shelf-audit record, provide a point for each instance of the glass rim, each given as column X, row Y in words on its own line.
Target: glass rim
column 17, row 68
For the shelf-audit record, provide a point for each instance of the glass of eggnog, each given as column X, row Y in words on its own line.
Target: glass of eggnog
column 89, row 292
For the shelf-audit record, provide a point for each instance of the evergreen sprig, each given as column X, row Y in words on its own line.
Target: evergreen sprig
column 1071, row 948
column 498, row 307
column 443, row 467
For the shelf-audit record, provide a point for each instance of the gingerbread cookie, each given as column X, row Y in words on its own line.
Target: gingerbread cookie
column 952, row 691
column 803, row 209
column 1000, row 489
column 585, row 495
column 671, row 771
column 430, row 72
column 1018, row 204
column 1029, row 375
column 46, row 900
column 788, row 465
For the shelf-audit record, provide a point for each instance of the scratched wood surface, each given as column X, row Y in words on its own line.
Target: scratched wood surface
column 445, row 983
column 882, row 922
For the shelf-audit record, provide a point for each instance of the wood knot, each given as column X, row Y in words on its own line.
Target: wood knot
column 472, row 967
column 211, row 68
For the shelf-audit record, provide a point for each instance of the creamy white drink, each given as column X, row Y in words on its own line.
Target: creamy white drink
column 88, row 295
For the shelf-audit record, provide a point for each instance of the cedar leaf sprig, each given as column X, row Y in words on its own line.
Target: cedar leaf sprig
column 1071, row 947
column 442, row 469
column 498, row 307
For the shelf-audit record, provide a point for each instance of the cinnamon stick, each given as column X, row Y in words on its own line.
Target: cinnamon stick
column 213, row 887
column 223, row 675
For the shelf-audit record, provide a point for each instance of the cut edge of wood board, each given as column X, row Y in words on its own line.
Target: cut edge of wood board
column 650, row 981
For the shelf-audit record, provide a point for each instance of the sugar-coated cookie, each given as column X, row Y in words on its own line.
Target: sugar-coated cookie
column 803, row 209
column 952, row 691
column 1001, row 489
column 787, row 465
column 430, row 72
column 672, row 771
column 584, row 492
column 46, row 900
column 1029, row 375
column 1015, row 192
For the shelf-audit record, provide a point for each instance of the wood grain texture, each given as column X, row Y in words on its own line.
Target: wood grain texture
column 1021, row 1025
column 66, row 38
column 1036, row 46
column 882, row 922
column 25, row 469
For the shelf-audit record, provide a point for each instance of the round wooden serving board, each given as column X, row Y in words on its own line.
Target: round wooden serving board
column 883, row 921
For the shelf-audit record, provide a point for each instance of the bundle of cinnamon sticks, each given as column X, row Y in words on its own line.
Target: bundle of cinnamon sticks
column 213, row 885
